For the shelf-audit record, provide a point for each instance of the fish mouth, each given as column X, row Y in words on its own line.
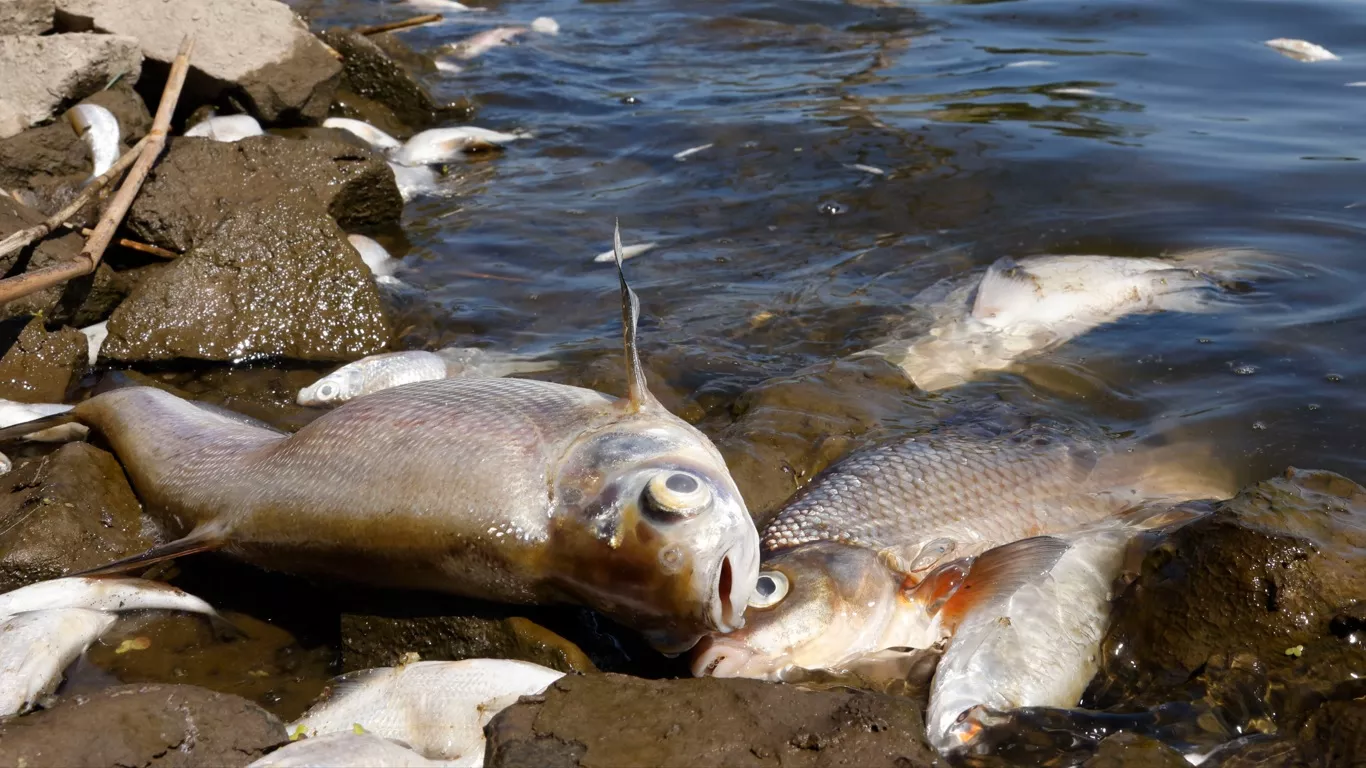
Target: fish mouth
column 731, row 586
column 713, row 658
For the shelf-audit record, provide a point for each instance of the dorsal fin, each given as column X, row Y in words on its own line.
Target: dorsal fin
column 638, row 396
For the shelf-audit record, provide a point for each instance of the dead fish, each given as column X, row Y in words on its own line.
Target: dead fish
column 485, row 41
column 95, row 336
column 101, row 594
column 560, row 494
column 1301, row 50
column 439, row 708
column 100, row 130
column 36, row 646
column 374, row 255
column 1022, row 308
column 226, row 128
column 12, row 413
column 864, row 557
column 440, row 6
column 545, row 25
column 365, row 131
column 414, row 181
column 629, row 252
column 350, row 750
column 689, row 152
column 445, row 145
column 391, row 369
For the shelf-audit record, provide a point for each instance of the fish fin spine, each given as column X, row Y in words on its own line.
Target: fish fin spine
column 639, row 396
column 206, row 539
column 24, row 428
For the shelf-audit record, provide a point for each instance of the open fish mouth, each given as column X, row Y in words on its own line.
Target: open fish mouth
column 732, row 583
column 714, row 657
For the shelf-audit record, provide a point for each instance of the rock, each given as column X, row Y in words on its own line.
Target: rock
column 142, row 725
column 258, row 47
column 614, row 720
column 65, row 512
column 1130, row 750
column 77, row 301
column 41, row 74
column 279, row 280
column 369, row 72
column 381, row 641
column 26, row 17
column 200, row 182
column 40, row 365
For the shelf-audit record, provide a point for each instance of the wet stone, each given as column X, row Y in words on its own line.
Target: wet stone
column 167, row 726
column 1131, row 750
column 369, row 72
column 382, row 641
column 66, row 512
column 200, row 182
column 280, row 280
column 41, row 364
column 611, row 720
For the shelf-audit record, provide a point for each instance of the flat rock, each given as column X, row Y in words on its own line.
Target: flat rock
column 200, row 182
column 258, row 48
column 43, row 74
column 39, row 366
column 381, row 641
column 596, row 721
column 131, row 726
column 65, row 512
column 26, row 17
column 279, row 280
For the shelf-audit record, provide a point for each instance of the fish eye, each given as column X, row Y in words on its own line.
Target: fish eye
column 769, row 590
column 327, row 391
column 676, row 494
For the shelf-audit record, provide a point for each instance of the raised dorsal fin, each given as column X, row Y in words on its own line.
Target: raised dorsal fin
column 638, row 396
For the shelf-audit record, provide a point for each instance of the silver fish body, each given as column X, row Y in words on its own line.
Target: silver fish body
column 375, row 256
column 102, row 594
column 36, row 646
column 391, row 369
column 365, row 131
column 226, row 128
column 351, row 750
column 445, row 145
column 95, row 336
column 100, row 130
column 483, row 42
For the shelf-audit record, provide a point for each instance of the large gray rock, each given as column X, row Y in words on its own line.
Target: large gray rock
column 279, row 280
column 42, row 74
column 258, row 46
column 26, row 17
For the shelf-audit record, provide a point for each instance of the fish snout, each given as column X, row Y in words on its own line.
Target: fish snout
column 717, row 658
column 731, row 585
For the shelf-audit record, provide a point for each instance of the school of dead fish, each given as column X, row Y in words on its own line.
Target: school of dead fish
column 1000, row 547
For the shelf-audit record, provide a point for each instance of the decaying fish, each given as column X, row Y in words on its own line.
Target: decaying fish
column 36, row 646
column 505, row 489
column 629, row 252
column 391, row 369
column 864, row 557
column 439, row 708
column 446, row 145
column 367, row 132
column 350, row 750
column 226, row 128
column 375, row 256
column 1022, row 308
column 100, row 130
column 479, row 44
column 1301, row 50
column 110, row 595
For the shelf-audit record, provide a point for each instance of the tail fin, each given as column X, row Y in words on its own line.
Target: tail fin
column 203, row 539
column 1178, row 471
column 1231, row 268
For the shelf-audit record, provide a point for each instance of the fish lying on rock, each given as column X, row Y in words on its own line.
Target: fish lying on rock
column 863, row 557
column 45, row 626
column 351, row 750
column 391, row 369
column 439, row 708
column 100, row 130
column 411, row 161
column 365, row 131
column 505, row 489
column 226, row 128
column 1025, row 307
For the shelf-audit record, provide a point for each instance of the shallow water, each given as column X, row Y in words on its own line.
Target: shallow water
column 776, row 254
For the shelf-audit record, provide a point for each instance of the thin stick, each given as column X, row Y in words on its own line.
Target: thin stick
column 23, row 237
column 415, row 21
column 155, row 250
column 12, row 288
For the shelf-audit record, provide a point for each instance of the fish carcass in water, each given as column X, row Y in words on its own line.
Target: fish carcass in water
column 226, row 128
column 100, row 130
column 365, row 131
column 505, row 489
column 391, row 369
column 446, row 145
column 863, row 558
column 483, row 42
column 350, row 750
column 439, row 708
column 375, row 256
column 1022, row 308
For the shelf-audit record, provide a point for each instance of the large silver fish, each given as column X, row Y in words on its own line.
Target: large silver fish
column 866, row 556
column 505, row 489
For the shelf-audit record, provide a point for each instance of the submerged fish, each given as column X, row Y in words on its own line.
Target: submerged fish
column 504, row 489
column 226, row 128
column 391, row 369
column 439, row 708
column 864, row 557
column 1301, row 50
column 414, row 181
column 101, row 594
column 478, row 45
column 367, row 132
column 350, row 750
column 36, row 646
column 445, row 145
column 1022, row 308
column 100, row 130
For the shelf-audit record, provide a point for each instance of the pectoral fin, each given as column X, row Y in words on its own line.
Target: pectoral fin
column 203, row 539
column 997, row 574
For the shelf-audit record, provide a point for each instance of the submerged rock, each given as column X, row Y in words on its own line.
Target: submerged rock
column 369, row 72
column 66, row 512
column 258, row 48
column 142, row 725
column 26, row 17
column 44, row 73
column 41, row 364
column 279, row 280
column 612, row 720
column 201, row 181
column 382, row 641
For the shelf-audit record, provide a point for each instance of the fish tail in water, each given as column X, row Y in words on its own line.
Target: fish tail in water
column 1179, row 471
column 1230, row 270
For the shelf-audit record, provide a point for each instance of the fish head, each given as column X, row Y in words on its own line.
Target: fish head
column 814, row 606
column 653, row 531
column 337, row 387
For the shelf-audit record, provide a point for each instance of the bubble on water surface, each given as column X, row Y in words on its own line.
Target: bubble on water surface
column 832, row 208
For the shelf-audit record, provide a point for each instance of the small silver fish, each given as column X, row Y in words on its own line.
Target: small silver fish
column 391, row 369
column 446, row 145
column 440, row 708
column 367, row 132
column 628, row 252
column 227, row 128
column 689, row 152
column 485, row 41
column 101, row 594
column 1301, row 50
column 100, row 130
column 350, row 750
column 36, row 646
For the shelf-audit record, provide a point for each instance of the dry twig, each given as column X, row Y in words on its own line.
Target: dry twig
column 415, row 21
column 12, row 288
